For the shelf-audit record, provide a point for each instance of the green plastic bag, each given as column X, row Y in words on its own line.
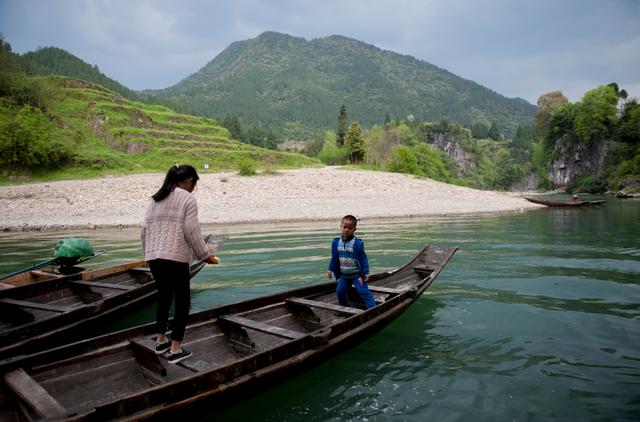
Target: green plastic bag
column 73, row 247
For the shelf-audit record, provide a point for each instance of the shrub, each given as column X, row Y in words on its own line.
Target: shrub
column 27, row 141
column 402, row 160
column 332, row 155
column 246, row 167
column 629, row 169
column 430, row 162
column 588, row 184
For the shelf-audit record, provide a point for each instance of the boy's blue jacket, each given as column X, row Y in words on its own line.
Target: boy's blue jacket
column 361, row 257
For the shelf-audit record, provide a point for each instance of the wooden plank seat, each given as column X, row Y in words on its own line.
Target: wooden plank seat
column 423, row 270
column 34, row 305
column 104, row 285
column 34, row 395
column 324, row 305
column 146, row 356
column 260, row 326
column 388, row 290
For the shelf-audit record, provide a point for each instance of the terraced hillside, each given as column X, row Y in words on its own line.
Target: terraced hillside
column 111, row 133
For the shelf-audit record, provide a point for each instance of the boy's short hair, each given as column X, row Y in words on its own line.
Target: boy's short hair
column 351, row 219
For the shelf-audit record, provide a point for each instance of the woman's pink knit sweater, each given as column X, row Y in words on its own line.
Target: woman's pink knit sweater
column 171, row 229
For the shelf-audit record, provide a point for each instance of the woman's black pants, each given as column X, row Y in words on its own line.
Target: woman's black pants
column 172, row 279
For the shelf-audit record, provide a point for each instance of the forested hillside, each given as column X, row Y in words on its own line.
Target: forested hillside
column 60, row 127
column 56, row 61
column 292, row 85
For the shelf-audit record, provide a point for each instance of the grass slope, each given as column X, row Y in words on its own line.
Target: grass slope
column 110, row 134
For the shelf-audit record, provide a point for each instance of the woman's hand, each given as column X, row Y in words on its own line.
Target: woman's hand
column 212, row 260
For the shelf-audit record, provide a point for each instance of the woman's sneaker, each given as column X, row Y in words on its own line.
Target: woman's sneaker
column 176, row 357
column 163, row 347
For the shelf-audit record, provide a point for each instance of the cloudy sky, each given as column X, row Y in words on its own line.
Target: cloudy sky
column 518, row 48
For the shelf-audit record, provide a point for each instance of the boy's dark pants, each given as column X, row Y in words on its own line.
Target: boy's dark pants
column 342, row 290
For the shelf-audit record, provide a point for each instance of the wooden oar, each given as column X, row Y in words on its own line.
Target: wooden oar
column 31, row 268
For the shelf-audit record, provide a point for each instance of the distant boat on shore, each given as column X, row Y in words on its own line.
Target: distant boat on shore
column 574, row 202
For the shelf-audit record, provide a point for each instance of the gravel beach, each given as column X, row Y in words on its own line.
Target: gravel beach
column 309, row 194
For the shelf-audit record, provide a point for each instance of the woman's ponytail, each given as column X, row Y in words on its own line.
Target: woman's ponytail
column 175, row 175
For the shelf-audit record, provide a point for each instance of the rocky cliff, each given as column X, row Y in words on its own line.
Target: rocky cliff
column 451, row 146
column 576, row 159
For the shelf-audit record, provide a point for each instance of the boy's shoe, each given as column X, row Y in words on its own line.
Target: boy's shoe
column 163, row 347
column 176, row 357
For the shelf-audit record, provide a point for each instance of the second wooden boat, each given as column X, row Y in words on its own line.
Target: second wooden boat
column 66, row 309
column 238, row 349
column 54, row 271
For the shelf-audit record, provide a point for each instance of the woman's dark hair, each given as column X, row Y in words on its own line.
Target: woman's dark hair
column 175, row 175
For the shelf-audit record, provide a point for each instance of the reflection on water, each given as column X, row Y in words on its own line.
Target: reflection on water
column 535, row 317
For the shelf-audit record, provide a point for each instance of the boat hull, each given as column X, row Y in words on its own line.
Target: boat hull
column 564, row 204
column 239, row 349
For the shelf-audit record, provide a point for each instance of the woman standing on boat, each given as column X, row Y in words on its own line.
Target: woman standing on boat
column 171, row 231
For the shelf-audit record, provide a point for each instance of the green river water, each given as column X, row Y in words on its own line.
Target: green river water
column 536, row 317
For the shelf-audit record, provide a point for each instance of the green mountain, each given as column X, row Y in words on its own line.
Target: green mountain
column 287, row 82
column 56, row 61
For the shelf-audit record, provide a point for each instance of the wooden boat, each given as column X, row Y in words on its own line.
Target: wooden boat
column 51, row 312
column 61, row 267
column 238, row 349
column 569, row 203
column 51, row 272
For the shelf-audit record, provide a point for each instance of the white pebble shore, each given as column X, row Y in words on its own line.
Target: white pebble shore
column 309, row 194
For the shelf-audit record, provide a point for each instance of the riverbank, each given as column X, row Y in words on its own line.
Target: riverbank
column 309, row 194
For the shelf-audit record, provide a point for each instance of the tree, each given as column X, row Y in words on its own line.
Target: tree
column 354, row 140
column 522, row 144
column 314, row 144
column 232, row 124
column 380, row 143
column 629, row 124
column 479, row 130
column 341, row 130
column 547, row 103
column 622, row 96
column 494, row 132
column 387, row 121
column 261, row 137
column 596, row 114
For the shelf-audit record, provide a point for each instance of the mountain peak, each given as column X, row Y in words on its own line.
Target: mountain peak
column 279, row 80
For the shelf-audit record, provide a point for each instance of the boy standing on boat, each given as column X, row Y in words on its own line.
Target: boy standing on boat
column 349, row 264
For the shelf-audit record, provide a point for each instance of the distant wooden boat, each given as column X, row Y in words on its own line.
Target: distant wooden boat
column 238, row 349
column 568, row 203
column 51, row 312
